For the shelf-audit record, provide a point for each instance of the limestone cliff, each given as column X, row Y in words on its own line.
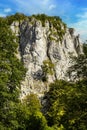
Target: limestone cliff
column 45, row 48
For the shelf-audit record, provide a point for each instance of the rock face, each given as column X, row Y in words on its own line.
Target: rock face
column 45, row 55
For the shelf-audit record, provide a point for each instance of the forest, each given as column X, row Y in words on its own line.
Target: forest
column 66, row 101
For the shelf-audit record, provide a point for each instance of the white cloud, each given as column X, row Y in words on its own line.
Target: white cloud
column 35, row 7
column 82, row 16
column 81, row 28
column 7, row 10
column 44, row 6
column 81, row 25
column 52, row 6
column 2, row 15
column 84, row 9
column 44, row 2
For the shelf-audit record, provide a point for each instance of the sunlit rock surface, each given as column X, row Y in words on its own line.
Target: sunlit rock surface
column 37, row 47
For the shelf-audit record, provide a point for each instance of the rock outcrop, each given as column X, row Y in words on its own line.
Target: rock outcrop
column 45, row 51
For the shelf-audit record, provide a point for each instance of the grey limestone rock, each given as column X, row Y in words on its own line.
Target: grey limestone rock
column 36, row 47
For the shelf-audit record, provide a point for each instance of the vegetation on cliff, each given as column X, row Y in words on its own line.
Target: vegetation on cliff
column 57, row 26
column 47, row 68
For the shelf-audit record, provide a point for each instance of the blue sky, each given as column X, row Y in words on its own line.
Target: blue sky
column 72, row 12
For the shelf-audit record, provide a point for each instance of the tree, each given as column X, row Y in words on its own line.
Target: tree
column 16, row 17
column 29, row 114
column 68, row 105
column 32, row 102
column 12, row 73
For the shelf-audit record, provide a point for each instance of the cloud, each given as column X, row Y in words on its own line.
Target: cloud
column 81, row 28
column 81, row 25
column 2, row 15
column 82, row 16
column 84, row 9
column 30, row 7
column 4, row 12
column 7, row 10
column 44, row 2
column 52, row 7
column 49, row 7
column 35, row 7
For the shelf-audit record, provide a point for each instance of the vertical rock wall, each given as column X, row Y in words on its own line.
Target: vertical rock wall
column 40, row 49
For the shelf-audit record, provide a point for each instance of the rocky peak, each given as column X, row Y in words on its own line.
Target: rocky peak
column 46, row 45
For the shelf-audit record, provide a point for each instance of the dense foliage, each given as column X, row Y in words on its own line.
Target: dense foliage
column 17, row 17
column 68, row 105
column 11, row 74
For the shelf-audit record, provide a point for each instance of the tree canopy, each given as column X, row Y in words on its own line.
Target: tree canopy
column 67, row 105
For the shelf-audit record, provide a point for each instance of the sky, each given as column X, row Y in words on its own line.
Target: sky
column 72, row 12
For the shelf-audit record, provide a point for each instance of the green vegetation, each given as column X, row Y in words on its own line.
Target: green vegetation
column 11, row 74
column 41, row 17
column 29, row 115
column 16, row 17
column 47, row 68
column 67, row 108
column 51, row 38
column 55, row 23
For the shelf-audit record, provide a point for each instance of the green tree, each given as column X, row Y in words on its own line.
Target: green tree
column 16, row 17
column 68, row 105
column 12, row 73
column 32, row 102
column 29, row 114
